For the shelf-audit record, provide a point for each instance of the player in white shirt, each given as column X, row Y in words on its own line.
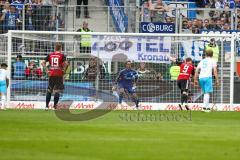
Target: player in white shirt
column 206, row 66
column 4, row 80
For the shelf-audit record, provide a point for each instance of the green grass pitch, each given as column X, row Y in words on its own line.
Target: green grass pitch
column 119, row 135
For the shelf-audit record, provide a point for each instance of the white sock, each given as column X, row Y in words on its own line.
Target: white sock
column 206, row 100
column 3, row 99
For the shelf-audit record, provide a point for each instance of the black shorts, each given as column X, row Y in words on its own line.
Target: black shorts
column 55, row 83
column 183, row 84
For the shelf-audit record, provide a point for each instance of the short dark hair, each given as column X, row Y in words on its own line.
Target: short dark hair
column 209, row 53
column 4, row 65
column 128, row 61
column 19, row 56
column 58, row 46
column 212, row 40
column 189, row 59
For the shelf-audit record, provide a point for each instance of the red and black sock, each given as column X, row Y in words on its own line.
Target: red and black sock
column 48, row 98
column 56, row 99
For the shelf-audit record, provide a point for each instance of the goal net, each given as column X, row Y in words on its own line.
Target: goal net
column 3, row 48
column 95, row 60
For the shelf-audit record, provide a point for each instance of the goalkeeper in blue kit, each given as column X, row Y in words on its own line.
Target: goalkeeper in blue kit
column 126, row 81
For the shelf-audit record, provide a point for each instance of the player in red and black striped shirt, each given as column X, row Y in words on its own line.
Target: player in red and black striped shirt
column 55, row 71
column 186, row 71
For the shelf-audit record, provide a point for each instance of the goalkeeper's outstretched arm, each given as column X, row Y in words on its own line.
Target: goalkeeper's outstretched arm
column 136, row 78
column 118, row 78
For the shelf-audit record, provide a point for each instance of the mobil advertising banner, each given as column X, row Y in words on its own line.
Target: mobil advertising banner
column 135, row 48
column 90, row 105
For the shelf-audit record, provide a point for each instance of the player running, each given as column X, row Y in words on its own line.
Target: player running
column 126, row 82
column 55, row 71
column 4, row 81
column 206, row 66
column 183, row 80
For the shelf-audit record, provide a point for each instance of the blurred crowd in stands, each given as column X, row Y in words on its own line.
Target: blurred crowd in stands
column 218, row 15
column 43, row 15
column 29, row 15
column 224, row 4
column 222, row 22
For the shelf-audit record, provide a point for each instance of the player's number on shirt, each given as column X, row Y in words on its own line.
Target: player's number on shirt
column 55, row 62
column 204, row 65
column 185, row 68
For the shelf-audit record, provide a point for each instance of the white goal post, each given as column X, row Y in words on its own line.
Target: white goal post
column 172, row 44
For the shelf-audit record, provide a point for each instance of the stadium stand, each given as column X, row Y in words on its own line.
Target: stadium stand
column 31, row 15
column 51, row 15
column 98, row 20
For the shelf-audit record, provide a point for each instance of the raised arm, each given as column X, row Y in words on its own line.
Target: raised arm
column 118, row 77
column 3, row 16
column 175, row 60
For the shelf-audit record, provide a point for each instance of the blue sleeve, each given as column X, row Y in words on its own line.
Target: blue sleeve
column 119, row 76
column 7, row 16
